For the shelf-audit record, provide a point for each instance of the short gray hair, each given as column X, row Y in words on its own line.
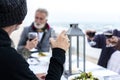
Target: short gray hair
column 42, row 10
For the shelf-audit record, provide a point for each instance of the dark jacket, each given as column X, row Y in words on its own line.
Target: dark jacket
column 14, row 67
column 106, row 52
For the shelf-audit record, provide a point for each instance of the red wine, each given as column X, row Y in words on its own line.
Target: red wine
column 91, row 34
column 32, row 35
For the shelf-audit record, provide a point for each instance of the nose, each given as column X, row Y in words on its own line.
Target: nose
column 38, row 21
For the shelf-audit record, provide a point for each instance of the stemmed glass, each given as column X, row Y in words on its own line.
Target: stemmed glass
column 108, row 35
column 32, row 35
column 91, row 34
column 53, row 34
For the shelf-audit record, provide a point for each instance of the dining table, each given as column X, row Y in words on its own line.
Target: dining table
column 96, row 70
column 40, row 64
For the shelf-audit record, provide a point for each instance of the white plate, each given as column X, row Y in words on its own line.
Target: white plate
column 42, row 58
column 73, row 76
column 37, row 54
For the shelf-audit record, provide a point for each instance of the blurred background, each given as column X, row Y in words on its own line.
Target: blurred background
column 99, row 15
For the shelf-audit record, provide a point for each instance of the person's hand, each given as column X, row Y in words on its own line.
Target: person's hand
column 61, row 41
column 113, row 40
column 41, row 76
column 31, row 44
column 90, row 34
column 108, row 42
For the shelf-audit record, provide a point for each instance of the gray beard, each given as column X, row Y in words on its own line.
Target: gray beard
column 39, row 26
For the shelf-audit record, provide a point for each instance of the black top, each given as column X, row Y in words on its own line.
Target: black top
column 14, row 67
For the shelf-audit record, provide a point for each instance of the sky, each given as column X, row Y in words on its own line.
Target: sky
column 88, row 11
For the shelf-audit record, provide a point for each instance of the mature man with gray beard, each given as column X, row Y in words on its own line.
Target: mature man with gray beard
column 43, row 30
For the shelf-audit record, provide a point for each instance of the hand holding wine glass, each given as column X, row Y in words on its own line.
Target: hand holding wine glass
column 32, row 35
column 90, row 35
column 32, row 40
column 108, row 35
column 62, row 41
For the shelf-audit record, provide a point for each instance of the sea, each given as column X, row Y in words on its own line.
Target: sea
column 98, row 27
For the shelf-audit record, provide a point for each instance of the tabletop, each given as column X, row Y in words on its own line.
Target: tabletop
column 40, row 65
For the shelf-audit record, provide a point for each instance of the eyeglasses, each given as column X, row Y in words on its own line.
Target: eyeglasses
column 39, row 18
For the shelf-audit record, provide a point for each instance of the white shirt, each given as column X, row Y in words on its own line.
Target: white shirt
column 40, row 35
column 114, row 62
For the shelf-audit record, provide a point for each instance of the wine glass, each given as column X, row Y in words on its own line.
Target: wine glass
column 91, row 34
column 53, row 34
column 108, row 35
column 32, row 35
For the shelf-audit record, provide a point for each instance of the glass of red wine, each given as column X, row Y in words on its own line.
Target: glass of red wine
column 32, row 35
column 108, row 35
column 91, row 34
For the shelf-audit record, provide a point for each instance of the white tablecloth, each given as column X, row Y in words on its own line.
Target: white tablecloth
column 42, row 67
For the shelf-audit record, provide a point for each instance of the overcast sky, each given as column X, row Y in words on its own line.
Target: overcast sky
column 95, row 11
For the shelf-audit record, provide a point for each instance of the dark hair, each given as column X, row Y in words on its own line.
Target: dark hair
column 12, row 12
